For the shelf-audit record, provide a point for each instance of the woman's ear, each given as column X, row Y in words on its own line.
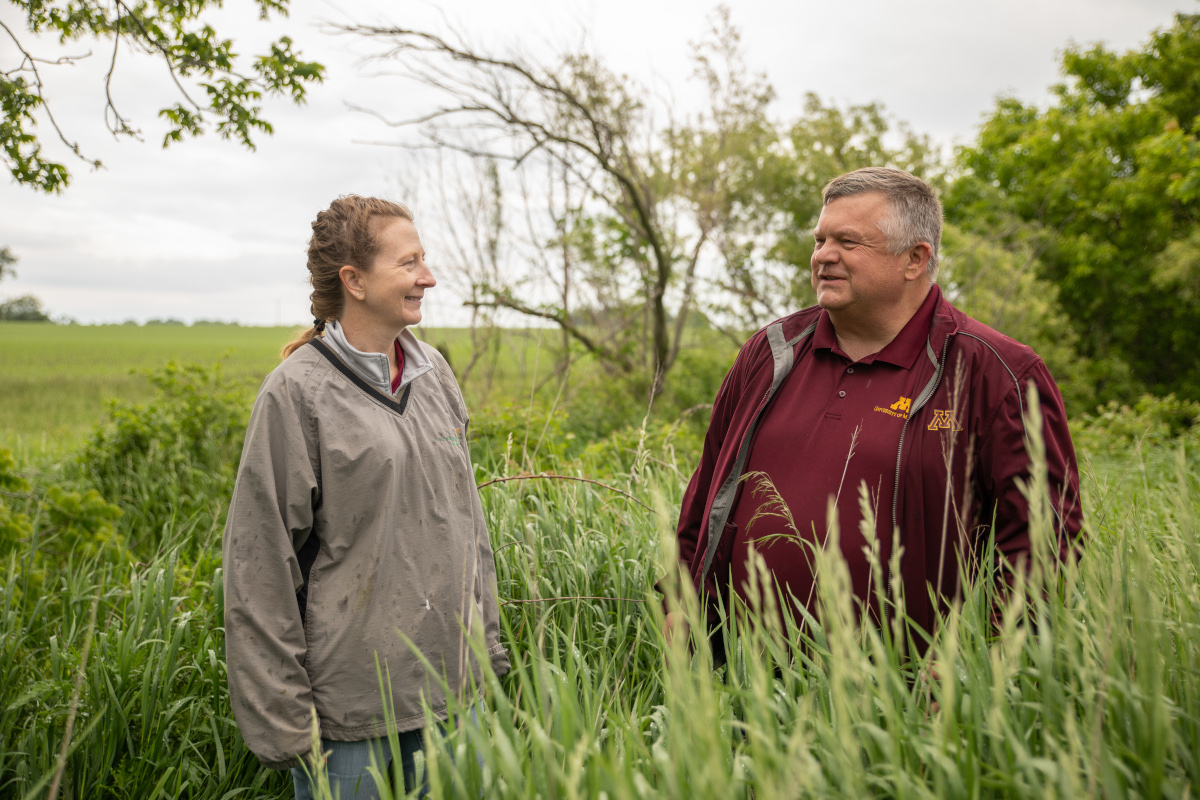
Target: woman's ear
column 352, row 280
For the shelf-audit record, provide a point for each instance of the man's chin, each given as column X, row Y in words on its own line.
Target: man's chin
column 831, row 301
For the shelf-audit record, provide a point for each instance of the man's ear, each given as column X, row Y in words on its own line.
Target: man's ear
column 352, row 280
column 918, row 260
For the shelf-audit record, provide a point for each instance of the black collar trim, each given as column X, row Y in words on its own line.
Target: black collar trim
column 395, row 405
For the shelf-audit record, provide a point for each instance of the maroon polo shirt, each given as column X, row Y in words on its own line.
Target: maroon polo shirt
column 804, row 445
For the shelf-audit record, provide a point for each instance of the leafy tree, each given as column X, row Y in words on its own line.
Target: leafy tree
column 728, row 167
column 1106, row 182
column 772, row 277
column 26, row 308
column 198, row 60
column 999, row 286
column 8, row 260
column 827, row 141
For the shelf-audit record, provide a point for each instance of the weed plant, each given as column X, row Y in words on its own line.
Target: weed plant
column 169, row 463
column 1083, row 681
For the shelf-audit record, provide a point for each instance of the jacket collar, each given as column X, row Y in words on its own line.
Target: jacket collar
column 946, row 321
column 902, row 350
column 373, row 367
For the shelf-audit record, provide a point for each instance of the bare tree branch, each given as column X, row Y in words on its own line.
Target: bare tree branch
column 550, row 477
column 37, row 83
column 604, row 146
column 574, row 597
column 563, row 321
column 118, row 125
column 164, row 51
column 689, row 290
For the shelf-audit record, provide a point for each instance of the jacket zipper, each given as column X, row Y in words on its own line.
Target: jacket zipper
column 747, row 438
column 887, row 575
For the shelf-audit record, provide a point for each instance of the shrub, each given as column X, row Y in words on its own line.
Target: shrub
column 70, row 525
column 172, row 460
column 517, row 436
column 1116, row 428
column 26, row 308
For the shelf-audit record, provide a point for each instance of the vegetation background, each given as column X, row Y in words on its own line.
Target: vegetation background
column 1074, row 228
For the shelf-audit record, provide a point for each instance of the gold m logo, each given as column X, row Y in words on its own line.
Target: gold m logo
column 944, row 419
column 903, row 404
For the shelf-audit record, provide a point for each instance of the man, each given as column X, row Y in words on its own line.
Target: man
column 882, row 381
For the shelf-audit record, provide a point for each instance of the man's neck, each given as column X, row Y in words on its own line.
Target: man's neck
column 860, row 337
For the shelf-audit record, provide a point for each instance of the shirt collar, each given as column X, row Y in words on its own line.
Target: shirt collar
column 374, row 367
column 901, row 351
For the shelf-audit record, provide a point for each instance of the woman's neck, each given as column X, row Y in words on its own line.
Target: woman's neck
column 369, row 338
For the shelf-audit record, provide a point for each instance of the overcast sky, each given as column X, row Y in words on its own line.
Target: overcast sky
column 208, row 230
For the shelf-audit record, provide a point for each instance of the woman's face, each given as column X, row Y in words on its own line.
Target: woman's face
column 396, row 283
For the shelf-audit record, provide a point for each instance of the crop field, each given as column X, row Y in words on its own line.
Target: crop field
column 1083, row 682
column 56, row 379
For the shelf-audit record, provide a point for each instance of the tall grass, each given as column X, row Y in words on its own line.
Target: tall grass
column 1088, row 686
column 1083, row 681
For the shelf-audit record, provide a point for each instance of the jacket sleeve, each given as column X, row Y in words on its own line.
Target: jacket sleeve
column 485, row 573
column 699, row 488
column 1004, row 465
column 270, row 517
column 485, row 576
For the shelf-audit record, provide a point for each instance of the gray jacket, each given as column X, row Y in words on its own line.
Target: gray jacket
column 359, row 506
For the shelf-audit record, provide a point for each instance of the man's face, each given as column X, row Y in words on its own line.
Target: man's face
column 853, row 273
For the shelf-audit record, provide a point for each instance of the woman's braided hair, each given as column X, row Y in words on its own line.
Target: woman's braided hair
column 343, row 234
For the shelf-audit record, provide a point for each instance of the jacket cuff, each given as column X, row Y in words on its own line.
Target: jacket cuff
column 287, row 763
column 500, row 661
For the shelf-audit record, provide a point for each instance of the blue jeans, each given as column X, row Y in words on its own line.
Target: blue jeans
column 347, row 767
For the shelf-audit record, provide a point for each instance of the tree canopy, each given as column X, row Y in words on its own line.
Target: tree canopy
column 1105, row 185
column 8, row 263
column 216, row 88
column 25, row 308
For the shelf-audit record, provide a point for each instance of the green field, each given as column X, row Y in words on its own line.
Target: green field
column 111, row 635
column 56, row 379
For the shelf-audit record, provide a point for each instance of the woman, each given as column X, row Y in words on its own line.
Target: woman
column 355, row 532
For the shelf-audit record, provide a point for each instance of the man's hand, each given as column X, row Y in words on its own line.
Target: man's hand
column 928, row 678
column 674, row 625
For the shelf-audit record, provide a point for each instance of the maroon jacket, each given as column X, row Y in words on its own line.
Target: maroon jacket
column 984, row 421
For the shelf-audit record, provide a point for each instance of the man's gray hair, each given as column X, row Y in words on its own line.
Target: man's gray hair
column 915, row 213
